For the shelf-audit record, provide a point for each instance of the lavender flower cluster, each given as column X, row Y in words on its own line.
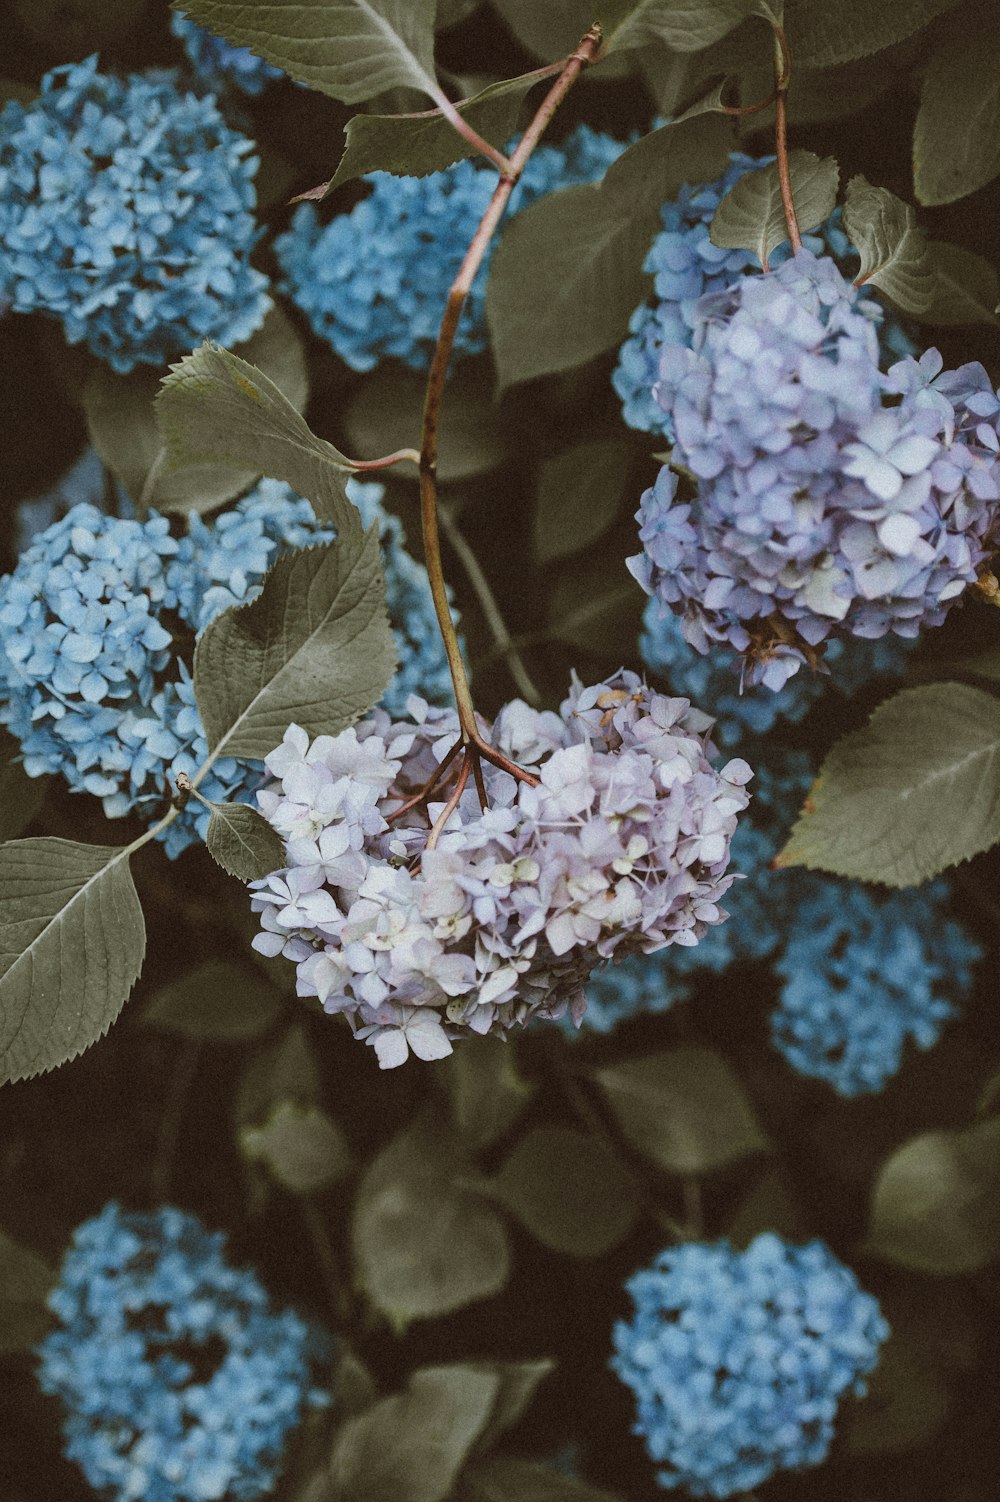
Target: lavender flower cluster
column 739, row 1359
column 127, row 211
column 621, row 847
column 831, row 498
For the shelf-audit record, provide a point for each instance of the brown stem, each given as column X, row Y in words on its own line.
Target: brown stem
column 401, row 456
column 458, row 122
column 782, row 74
column 748, row 109
column 454, row 800
column 428, row 787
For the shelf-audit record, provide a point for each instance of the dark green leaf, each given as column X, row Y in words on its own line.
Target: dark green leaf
column 25, row 1282
column 682, row 25
column 72, row 940
column 751, row 216
column 768, row 1206
column 936, row 1202
column 451, row 12
column 820, row 36
column 553, row 29
column 956, row 139
column 893, row 250
column 568, row 1189
column 301, row 1147
column 502, row 1479
column 487, row 1093
column 410, row 1447
column 314, row 649
column 567, row 274
column 423, row 1244
column 215, row 409
column 966, row 288
column 286, row 1072
column 518, row 1381
column 916, row 790
column 243, row 842
column 579, row 493
column 349, row 49
column 21, row 796
column 684, row 1110
column 219, row 1002
column 906, row 1403
column 386, row 412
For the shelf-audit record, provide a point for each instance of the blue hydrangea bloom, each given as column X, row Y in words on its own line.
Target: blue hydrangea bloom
column 217, row 62
column 739, row 1359
column 180, row 1383
column 85, row 482
column 127, row 211
column 374, row 282
column 864, row 974
column 685, row 264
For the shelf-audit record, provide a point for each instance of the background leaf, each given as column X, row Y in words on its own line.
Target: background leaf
column 503, row 1479
column 568, row 1189
column 836, row 31
column 302, row 1148
column 893, row 250
column 487, row 1093
column 25, row 1282
column 751, row 216
column 579, row 496
column 956, row 139
column 21, row 796
column 218, row 1002
column 314, row 649
column 684, row 1110
column 966, row 287
column 243, row 842
column 916, row 790
column 72, row 940
column 385, row 413
column 683, row 25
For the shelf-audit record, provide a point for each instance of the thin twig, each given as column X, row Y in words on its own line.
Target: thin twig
column 782, row 74
column 458, row 122
column 401, row 456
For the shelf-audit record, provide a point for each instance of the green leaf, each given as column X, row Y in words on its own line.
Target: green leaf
column 286, row 1072
column 751, row 216
column 568, row 1189
column 915, row 791
column 684, row 1110
column 21, row 796
column 424, row 1244
column 553, row 29
column 906, row 1403
column 122, row 423
column 579, row 493
column 893, row 250
column 215, row 409
column 518, row 1381
column 243, row 842
column 567, row 274
column 411, row 1447
column 966, row 287
column 487, row 1093
column 936, row 1202
column 301, row 1147
column 502, row 1479
column 836, row 31
column 956, row 138
column 25, row 1283
column 349, row 49
column 682, row 25
column 314, row 649
column 218, row 1002
column 385, row 413
column 72, row 940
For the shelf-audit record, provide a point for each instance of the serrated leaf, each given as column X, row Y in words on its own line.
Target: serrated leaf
column 218, row 1002
column 568, row 1189
column 314, row 649
column 423, row 1244
column 966, row 287
column 567, row 274
column 25, row 1282
column 682, row 25
column 503, row 1479
column 893, row 251
column 120, row 412
column 752, row 216
column 487, row 1093
column 579, row 494
column 243, row 842
column 936, row 1202
column 349, row 49
column 215, row 409
column 684, row 1110
column 21, row 796
column 956, row 138
column 385, row 413
column 410, row 1447
column 72, row 939
column 915, row 791
column 821, row 36
column 302, row 1148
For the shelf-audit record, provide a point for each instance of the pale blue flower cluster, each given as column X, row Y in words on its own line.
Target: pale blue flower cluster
column 374, row 282
column 94, row 682
column 180, row 1383
column 217, row 62
column 864, row 975
column 739, row 1360
column 831, row 498
column 127, row 211
column 685, row 265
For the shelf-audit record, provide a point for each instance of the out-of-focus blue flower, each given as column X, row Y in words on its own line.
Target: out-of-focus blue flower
column 217, row 62
column 739, row 1360
column 84, row 483
column 180, row 1383
column 864, row 974
column 374, row 282
column 127, row 211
